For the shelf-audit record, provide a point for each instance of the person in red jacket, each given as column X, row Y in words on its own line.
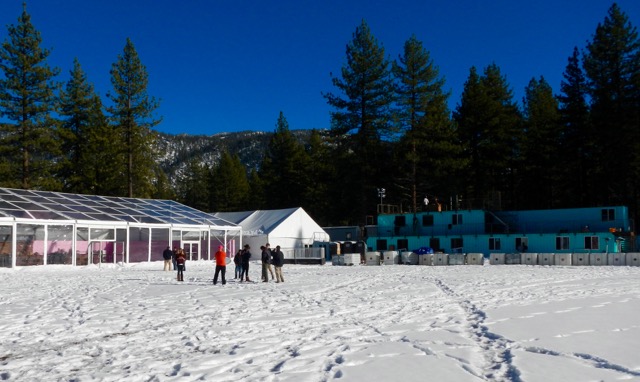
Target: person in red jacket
column 221, row 265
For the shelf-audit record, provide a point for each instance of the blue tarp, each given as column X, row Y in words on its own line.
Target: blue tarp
column 423, row 250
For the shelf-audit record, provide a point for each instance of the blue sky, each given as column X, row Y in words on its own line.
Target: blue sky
column 233, row 65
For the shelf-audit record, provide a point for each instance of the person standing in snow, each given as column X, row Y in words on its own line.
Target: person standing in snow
column 166, row 255
column 174, row 256
column 221, row 265
column 246, row 255
column 181, row 259
column 270, row 252
column 237, row 260
column 278, row 262
column 266, row 258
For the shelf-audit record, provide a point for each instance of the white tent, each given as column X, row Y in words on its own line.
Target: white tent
column 290, row 228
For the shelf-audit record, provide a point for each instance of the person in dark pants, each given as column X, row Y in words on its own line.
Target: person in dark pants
column 246, row 255
column 181, row 260
column 237, row 260
column 221, row 265
column 278, row 262
column 174, row 255
column 265, row 257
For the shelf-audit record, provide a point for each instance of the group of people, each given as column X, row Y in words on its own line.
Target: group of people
column 241, row 261
column 269, row 257
column 178, row 258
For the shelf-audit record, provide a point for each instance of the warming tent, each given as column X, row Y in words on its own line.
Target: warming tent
column 43, row 227
column 290, row 228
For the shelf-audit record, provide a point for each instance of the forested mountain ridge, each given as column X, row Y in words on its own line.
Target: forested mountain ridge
column 177, row 150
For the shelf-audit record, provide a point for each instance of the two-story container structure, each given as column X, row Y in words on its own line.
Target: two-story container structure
column 597, row 229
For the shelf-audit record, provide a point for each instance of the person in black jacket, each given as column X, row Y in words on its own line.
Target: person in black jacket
column 266, row 257
column 166, row 255
column 278, row 262
column 237, row 260
column 246, row 255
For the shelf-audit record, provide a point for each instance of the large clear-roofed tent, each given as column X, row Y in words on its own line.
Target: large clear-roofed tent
column 44, row 227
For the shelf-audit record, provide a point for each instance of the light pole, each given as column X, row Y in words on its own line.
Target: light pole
column 381, row 194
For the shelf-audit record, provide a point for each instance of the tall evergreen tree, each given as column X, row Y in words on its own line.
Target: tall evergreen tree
column 87, row 141
column 192, row 186
column 577, row 142
column 320, row 176
column 256, row 200
column 133, row 113
column 362, row 119
column 284, row 168
column 612, row 67
column 430, row 150
column 229, row 186
column 28, row 147
column 489, row 123
column 539, row 174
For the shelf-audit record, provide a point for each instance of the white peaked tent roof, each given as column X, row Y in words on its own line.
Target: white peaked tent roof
column 289, row 223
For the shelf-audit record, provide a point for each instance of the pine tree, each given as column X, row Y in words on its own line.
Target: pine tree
column 284, row 168
column 489, row 123
column 192, row 186
column 540, row 165
column 612, row 67
column 577, row 143
column 429, row 149
column 28, row 147
column 320, row 177
column 87, row 141
column 362, row 119
column 229, row 186
column 133, row 114
column 256, row 200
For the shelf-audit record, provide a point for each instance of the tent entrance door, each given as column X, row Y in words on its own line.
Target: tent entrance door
column 191, row 249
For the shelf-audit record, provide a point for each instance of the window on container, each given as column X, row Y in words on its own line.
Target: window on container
column 403, row 244
column 456, row 244
column 400, row 221
column 522, row 244
column 381, row 244
column 494, row 243
column 591, row 242
column 456, row 219
column 434, row 243
column 427, row 220
column 562, row 242
column 608, row 214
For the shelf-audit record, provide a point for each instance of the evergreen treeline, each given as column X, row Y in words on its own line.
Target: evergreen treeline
column 391, row 128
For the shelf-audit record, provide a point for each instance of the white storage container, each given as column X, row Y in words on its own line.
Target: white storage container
column 633, row 259
column 457, row 259
column 597, row 259
column 530, row 258
column 617, row 259
column 337, row 260
column 546, row 258
column 580, row 259
column 513, row 258
column 351, row 258
column 440, row 259
column 496, row 258
column 475, row 258
column 390, row 257
column 563, row 258
column 372, row 258
column 409, row 258
column 425, row 259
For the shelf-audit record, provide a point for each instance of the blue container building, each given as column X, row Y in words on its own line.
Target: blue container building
column 575, row 230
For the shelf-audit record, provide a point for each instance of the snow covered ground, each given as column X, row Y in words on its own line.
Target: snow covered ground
column 325, row 323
